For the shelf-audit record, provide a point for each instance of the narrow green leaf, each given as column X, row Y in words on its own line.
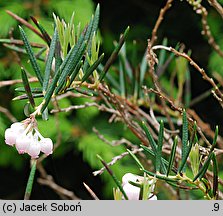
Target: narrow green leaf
column 76, row 71
column 85, row 91
column 150, row 138
column 184, row 160
column 143, row 68
column 164, row 162
column 161, row 177
column 136, row 159
column 122, row 77
column 92, row 68
column 50, row 90
column 49, row 61
column 184, row 138
column 172, row 155
column 159, row 147
column 33, row 90
column 162, row 54
column 92, row 32
column 215, row 177
column 114, row 54
column 119, row 185
column 27, row 87
column 42, row 30
column 71, row 66
column 20, row 50
column 31, row 55
column 22, row 97
column 30, row 181
column 214, row 143
column 204, row 168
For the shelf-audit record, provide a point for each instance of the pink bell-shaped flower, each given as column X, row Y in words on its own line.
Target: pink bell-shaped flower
column 46, row 146
column 131, row 191
column 22, row 143
column 10, row 137
column 34, row 149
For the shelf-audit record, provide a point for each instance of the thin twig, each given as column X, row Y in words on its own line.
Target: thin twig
column 206, row 29
column 91, row 192
column 159, row 20
column 217, row 6
column 198, row 68
column 8, row 114
column 13, row 82
column 24, row 22
column 57, row 188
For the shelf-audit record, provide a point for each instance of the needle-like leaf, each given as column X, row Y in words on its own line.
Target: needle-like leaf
column 136, row 159
column 114, row 54
column 184, row 138
column 91, row 69
column 204, row 168
column 31, row 55
column 159, row 147
column 172, row 155
column 49, row 61
column 27, row 87
column 215, row 176
column 113, row 177
column 42, row 30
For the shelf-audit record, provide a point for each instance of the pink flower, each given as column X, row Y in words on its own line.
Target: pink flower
column 132, row 191
column 46, row 146
column 22, row 143
column 27, row 138
column 34, row 149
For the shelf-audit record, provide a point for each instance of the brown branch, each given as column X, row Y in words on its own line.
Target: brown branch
column 24, row 22
column 8, row 114
column 159, row 20
column 57, row 188
column 13, row 82
column 198, row 68
column 217, row 6
column 91, row 192
column 21, row 43
column 206, row 28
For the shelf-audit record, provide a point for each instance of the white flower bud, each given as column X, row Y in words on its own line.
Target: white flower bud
column 22, row 144
column 46, row 146
column 34, row 149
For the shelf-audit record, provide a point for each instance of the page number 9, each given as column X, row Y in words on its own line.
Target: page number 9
column 216, row 207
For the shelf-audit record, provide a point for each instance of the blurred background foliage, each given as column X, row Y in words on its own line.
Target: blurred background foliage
column 75, row 159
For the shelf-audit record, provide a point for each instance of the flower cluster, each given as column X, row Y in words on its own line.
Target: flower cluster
column 132, row 191
column 27, row 139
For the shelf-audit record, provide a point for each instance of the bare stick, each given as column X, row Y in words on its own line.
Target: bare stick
column 217, row 6
column 8, row 114
column 57, row 188
column 159, row 20
column 91, row 192
column 24, row 22
column 13, row 82
column 198, row 68
column 206, row 29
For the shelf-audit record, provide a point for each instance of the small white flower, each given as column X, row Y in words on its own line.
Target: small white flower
column 27, row 138
column 34, row 149
column 22, row 143
column 46, row 146
column 10, row 137
column 132, row 191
